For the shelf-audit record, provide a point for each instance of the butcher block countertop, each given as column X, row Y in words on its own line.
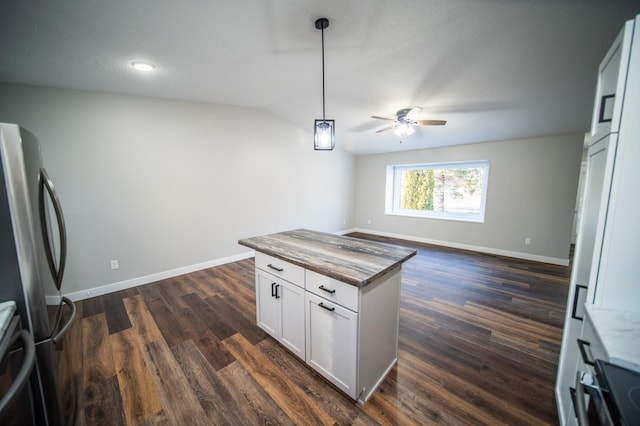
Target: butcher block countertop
column 351, row 260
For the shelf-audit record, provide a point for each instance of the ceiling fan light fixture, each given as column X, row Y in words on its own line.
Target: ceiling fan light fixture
column 323, row 130
column 405, row 129
column 405, row 121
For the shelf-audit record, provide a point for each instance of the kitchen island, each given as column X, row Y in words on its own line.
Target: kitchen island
column 333, row 301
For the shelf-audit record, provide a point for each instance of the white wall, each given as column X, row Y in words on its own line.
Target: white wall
column 531, row 194
column 166, row 187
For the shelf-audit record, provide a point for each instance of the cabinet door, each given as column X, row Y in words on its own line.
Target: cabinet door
column 617, row 278
column 332, row 341
column 267, row 305
column 602, row 161
column 587, row 254
column 292, row 308
column 611, row 84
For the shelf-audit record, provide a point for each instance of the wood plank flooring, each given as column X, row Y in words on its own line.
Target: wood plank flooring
column 479, row 344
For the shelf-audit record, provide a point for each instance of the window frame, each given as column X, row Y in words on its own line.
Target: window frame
column 393, row 193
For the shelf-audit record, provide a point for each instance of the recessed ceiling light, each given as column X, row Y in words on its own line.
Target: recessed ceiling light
column 143, row 66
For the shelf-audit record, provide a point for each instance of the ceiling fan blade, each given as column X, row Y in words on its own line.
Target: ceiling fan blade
column 414, row 112
column 386, row 128
column 430, row 122
column 383, row 118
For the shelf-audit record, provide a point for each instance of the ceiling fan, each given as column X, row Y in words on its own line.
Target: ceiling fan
column 405, row 120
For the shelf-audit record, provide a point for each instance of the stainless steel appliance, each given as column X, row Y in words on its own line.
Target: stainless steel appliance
column 610, row 398
column 32, row 262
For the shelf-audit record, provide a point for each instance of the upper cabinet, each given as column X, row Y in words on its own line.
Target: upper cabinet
column 612, row 80
column 614, row 273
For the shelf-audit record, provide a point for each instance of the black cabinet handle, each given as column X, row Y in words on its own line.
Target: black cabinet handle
column 277, row 285
column 275, row 268
column 573, row 393
column 328, row 290
column 273, row 289
column 606, row 100
column 576, row 298
column 330, row 309
column 582, row 345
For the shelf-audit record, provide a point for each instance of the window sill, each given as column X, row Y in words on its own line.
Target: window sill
column 437, row 217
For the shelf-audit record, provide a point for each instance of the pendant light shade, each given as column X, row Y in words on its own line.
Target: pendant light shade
column 324, row 135
column 323, row 130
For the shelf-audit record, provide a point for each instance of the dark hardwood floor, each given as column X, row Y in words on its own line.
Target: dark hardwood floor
column 479, row 343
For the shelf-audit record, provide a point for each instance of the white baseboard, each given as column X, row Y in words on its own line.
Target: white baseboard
column 346, row 231
column 488, row 250
column 110, row 288
column 122, row 285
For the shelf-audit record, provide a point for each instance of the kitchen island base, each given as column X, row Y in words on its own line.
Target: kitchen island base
column 332, row 301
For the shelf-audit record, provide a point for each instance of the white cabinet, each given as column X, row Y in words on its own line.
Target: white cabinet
column 332, row 300
column 613, row 279
column 604, row 271
column 590, row 233
column 352, row 338
column 346, row 333
column 611, row 85
column 268, row 308
column 280, row 310
column 332, row 338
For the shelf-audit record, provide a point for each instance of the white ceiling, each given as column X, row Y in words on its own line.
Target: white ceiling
column 495, row 69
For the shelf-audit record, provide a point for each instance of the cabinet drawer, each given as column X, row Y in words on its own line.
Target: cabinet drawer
column 280, row 268
column 331, row 289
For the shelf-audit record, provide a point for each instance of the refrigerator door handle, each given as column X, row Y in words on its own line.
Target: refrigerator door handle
column 25, row 370
column 60, row 334
column 56, row 272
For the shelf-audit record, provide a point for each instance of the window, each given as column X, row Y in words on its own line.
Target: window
column 441, row 190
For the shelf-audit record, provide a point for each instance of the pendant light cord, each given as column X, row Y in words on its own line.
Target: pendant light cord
column 323, row 114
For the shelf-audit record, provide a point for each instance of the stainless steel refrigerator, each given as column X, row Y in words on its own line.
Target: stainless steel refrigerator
column 33, row 247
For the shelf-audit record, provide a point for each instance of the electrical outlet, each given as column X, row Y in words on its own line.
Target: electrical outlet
column 114, row 264
column 369, row 222
column 527, row 241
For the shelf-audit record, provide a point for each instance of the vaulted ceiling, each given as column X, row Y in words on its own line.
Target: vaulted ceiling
column 494, row 69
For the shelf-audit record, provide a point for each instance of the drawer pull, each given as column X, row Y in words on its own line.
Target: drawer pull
column 584, row 346
column 330, row 309
column 328, row 290
column 275, row 268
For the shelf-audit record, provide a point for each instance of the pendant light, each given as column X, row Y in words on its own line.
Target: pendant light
column 323, row 130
